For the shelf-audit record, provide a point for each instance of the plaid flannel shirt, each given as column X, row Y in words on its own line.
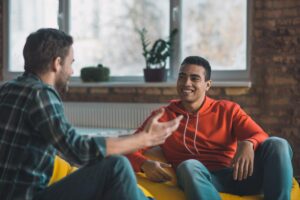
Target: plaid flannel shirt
column 33, row 129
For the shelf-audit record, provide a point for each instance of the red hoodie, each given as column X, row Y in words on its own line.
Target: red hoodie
column 210, row 135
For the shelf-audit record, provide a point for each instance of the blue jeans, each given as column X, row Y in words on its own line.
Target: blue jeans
column 272, row 175
column 109, row 179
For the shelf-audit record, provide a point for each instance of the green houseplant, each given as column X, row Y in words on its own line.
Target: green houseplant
column 97, row 73
column 156, row 56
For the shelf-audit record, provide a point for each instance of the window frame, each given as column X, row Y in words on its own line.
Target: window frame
column 175, row 59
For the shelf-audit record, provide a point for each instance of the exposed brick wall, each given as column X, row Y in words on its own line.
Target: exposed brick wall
column 274, row 99
column 275, row 57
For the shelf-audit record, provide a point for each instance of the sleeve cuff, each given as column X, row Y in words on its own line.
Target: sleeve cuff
column 101, row 144
column 254, row 142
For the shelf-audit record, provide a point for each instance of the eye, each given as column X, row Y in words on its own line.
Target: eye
column 181, row 76
column 195, row 78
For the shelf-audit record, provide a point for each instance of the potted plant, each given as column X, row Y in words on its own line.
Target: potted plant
column 156, row 57
column 97, row 73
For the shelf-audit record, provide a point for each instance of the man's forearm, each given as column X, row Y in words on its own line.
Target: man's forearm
column 155, row 133
column 126, row 144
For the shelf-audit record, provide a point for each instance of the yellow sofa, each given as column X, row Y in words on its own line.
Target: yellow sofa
column 160, row 191
column 170, row 190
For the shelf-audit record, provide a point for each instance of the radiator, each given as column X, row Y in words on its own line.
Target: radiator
column 108, row 115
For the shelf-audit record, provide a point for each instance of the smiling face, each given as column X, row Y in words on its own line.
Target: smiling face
column 191, row 86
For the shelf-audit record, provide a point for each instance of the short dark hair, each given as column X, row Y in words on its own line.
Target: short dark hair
column 197, row 60
column 43, row 46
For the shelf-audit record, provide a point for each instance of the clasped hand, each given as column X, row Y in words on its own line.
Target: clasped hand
column 155, row 171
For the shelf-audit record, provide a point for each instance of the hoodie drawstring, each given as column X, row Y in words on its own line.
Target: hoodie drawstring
column 187, row 121
column 195, row 134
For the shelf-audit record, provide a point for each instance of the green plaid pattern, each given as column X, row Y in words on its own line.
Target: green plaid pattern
column 33, row 129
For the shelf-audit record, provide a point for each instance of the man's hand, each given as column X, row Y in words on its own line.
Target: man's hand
column 155, row 171
column 154, row 133
column 243, row 161
column 157, row 132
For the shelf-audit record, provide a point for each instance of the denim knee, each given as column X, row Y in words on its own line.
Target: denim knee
column 191, row 163
column 277, row 145
column 118, row 160
column 188, row 167
column 118, row 163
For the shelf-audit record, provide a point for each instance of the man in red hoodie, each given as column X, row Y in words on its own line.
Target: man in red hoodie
column 217, row 147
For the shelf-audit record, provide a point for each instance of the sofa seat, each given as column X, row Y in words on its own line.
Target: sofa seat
column 160, row 191
column 170, row 190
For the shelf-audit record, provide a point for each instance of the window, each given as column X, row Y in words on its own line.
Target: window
column 216, row 30
column 24, row 18
column 106, row 32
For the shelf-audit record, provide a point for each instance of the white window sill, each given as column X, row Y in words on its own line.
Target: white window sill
column 160, row 84
column 246, row 84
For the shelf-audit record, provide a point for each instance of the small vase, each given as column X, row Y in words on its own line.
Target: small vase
column 155, row 75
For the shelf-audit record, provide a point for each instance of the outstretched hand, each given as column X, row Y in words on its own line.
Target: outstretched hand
column 154, row 170
column 243, row 161
column 157, row 132
column 154, row 133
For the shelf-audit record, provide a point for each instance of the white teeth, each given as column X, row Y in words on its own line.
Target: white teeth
column 187, row 91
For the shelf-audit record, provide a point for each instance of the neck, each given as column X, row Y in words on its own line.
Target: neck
column 47, row 78
column 193, row 107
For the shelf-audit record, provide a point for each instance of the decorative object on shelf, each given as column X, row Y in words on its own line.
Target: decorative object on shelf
column 156, row 57
column 99, row 73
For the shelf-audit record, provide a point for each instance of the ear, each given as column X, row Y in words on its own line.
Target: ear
column 56, row 64
column 208, row 85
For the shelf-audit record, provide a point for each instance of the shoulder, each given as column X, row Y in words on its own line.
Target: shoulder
column 167, row 115
column 226, row 105
column 28, row 88
column 43, row 91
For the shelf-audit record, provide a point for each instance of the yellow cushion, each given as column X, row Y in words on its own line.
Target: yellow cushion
column 170, row 190
column 145, row 191
column 160, row 191
column 62, row 169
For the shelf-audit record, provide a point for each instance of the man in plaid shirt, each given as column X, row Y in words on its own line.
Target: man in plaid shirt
column 33, row 129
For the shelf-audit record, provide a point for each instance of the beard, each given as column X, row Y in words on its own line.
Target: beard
column 62, row 87
column 62, row 83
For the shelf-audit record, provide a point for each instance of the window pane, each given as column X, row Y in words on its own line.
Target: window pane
column 216, row 30
column 26, row 17
column 105, row 32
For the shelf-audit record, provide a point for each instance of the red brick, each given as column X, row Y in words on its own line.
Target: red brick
column 259, row 14
column 266, row 23
column 281, row 59
column 285, row 4
column 292, row 12
column 253, row 111
column 78, row 90
column 99, row 90
column 169, row 91
column 279, row 101
column 124, row 90
column 284, row 22
column 214, row 91
column 258, row 33
column 246, row 100
column 296, row 21
column 273, row 13
column 285, row 80
column 270, row 120
column 236, row 91
column 151, row 91
column 258, row 4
